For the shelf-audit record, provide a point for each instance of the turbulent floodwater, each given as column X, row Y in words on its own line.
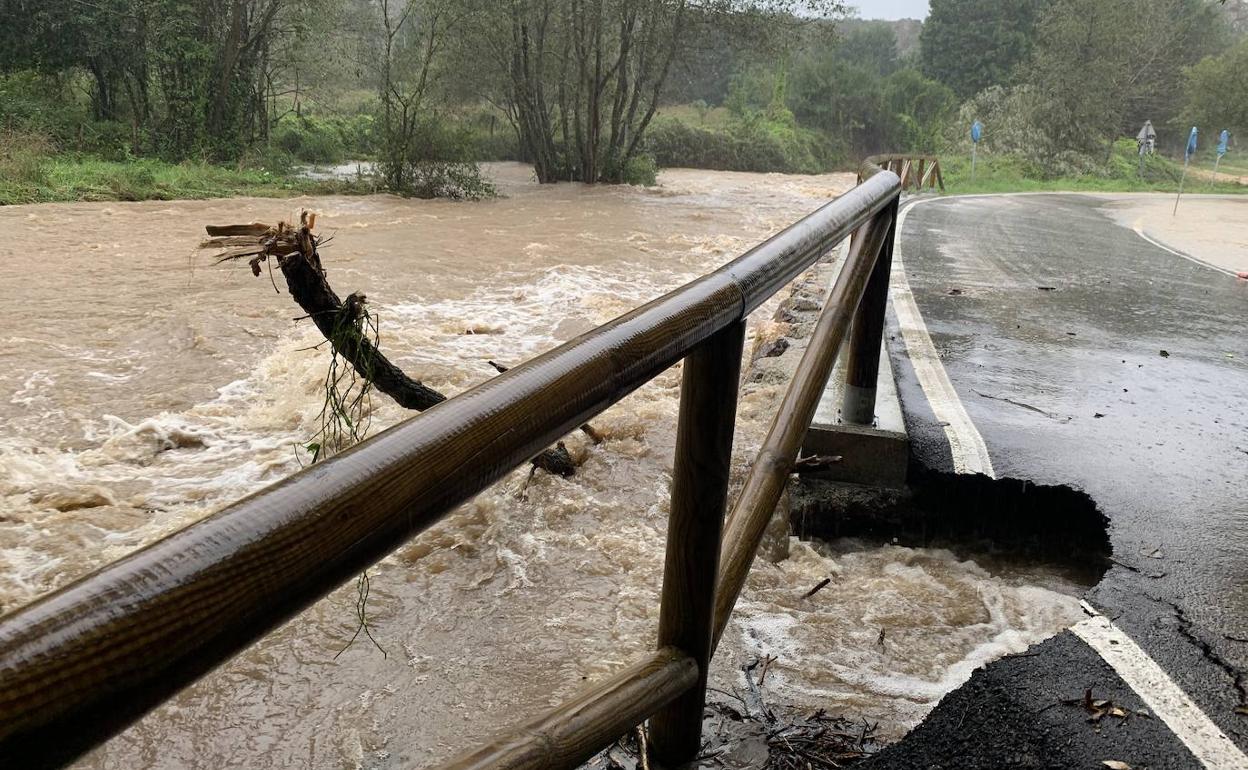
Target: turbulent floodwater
column 142, row 388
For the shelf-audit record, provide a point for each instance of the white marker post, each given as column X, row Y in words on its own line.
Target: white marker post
column 1188, row 152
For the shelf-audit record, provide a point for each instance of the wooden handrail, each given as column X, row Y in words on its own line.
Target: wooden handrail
column 770, row 472
column 574, row 732
column 768, row 476
column 80, row 664
column 708, row 414
column 917, row 172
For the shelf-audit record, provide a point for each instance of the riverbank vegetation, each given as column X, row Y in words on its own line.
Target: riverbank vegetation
column 134, row 99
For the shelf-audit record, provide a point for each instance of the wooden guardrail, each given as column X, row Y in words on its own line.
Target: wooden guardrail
column 917, row 172
column 79, row 665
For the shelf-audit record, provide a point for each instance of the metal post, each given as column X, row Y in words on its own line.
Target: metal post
column 1186, row 162
column 708, row 407
column 862, row 367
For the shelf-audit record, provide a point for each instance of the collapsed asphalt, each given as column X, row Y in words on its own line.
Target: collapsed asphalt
column 1086, row 356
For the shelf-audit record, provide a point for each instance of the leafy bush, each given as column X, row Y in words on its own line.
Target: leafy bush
column 446, row 179
column 308, row 139
column 750, row 144
column 501, row 145
column 435, row 160
column 639, row 170
column 1121, row 171
column 1217, row 94
column 314, row 139
column 23, row 165
column 1012, row 127
column 36, row 104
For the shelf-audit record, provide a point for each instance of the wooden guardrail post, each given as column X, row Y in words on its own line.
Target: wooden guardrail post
column 862, row 367
column 708, row 407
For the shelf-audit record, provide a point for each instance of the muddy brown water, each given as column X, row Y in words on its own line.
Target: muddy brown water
column 141, row 388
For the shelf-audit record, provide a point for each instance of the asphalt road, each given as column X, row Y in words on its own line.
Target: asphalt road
column 1086, row 356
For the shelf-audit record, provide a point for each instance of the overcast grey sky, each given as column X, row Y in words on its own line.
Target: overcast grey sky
column 891, row 9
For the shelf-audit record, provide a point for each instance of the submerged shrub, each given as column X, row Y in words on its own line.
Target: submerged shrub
column 434, row 160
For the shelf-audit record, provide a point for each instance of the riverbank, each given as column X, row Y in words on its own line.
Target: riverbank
column 33, row 178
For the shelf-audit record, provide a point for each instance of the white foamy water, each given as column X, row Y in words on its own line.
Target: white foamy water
column 143, row 388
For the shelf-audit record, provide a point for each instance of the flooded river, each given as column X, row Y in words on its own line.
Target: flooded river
column 141, row 388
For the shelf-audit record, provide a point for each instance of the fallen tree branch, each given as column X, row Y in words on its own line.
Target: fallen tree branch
column 295, row 251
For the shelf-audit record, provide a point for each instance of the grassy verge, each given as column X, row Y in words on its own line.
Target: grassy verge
column 84, row 178
column 1002, row 174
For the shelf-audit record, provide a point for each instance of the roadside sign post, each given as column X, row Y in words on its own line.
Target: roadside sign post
column 1188, row 152
column 1146, row 140
column 977, row 132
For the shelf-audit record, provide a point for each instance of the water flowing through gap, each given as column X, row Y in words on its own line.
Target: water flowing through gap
column 144, row 388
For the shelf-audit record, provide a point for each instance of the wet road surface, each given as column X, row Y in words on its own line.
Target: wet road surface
column 1087, row 356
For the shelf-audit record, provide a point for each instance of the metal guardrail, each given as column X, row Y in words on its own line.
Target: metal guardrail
column 79, row 665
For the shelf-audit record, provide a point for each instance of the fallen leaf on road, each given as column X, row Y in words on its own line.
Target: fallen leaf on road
column 1165, row 354
column 1114, row 764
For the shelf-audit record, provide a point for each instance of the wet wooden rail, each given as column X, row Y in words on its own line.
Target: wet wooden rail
column 917, row 172
column 81, row 664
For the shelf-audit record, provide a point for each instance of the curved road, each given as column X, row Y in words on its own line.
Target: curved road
column 1134, row 363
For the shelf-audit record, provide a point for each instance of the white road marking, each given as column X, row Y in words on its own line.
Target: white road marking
column 1141, row 673
column 1139, row 230
column 1160, row 693
column 970, row 454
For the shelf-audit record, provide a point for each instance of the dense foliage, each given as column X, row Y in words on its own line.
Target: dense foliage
column 1216, row 92
column 598, row 90
column 970, row 45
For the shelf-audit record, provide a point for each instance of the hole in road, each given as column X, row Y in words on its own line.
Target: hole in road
column 924, row 586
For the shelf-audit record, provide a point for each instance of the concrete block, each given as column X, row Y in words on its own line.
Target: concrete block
column 875, row 455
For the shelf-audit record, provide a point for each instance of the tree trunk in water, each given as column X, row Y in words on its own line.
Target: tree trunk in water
column 340, row 322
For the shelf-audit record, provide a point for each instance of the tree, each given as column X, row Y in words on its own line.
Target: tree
column 855, row 92
column 585, row 78
column 105, row 39
column 872, row 45
column 842, row 99
column 1216, row 93
column 971, row 44
column 918, row 110
column 1103, row 67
